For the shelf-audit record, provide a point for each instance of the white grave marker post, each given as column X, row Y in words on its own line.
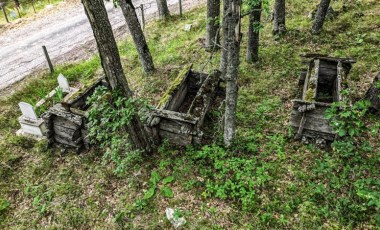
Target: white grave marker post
column 29, row 121
column 28, row 111
column 63, row 83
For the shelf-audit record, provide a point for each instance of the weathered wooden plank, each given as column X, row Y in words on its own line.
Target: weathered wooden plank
column 302, row 77
column 65, row 141
column 177, row 84
column 338, row 83
column 177, row 99
column 311, row 123
column 313, row 134
column 311, row 83
column 297, row 103
column 177, row 127
column 188, row 118
column 175, row 138
column 202, row 101
column 78, row 99
column 318, row 113
column 60, row 121
column 69, row 134
column 301, row 126
column 59, row 111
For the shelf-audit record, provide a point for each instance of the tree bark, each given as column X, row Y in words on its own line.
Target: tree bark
column 233, row 41
column 137, row 35
column 320, row 16
column 224, row 51
column 110, row 60
column 279, row 17
column 163, row 10
column 213, row 24
column 254, row 34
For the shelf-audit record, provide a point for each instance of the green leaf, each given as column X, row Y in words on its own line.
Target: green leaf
column 167, row 180
column 351, row 132
column 342, row 133
column 167, row 192
column 4, row 204
column 155, row 178
column 150, row 193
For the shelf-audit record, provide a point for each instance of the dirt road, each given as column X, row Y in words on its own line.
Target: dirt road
column 66, row 34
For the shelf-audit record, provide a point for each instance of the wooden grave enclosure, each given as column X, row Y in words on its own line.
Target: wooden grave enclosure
column 322, row 82
column 66, row 121
column 180, row 115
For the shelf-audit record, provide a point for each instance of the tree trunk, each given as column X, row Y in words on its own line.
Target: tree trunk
column 373, row 94
column 212, row 26
column 320, row 16
column 137, row 35
column 110, row 59
column 254, row 34
column 17, row 3
column 224, row 51
column 279, row 17
column 233, row 40
column 163, row 10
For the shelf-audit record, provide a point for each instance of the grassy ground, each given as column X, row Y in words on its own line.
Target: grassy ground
column 26, row 9
column 266, row 181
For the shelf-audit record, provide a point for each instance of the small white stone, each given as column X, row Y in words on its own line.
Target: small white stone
column 188, row 27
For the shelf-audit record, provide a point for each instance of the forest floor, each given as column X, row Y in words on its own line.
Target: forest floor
column 266, row 180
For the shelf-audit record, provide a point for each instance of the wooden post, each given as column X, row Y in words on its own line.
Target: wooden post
column 5, row 13
column 48, row 59
column 18, row 11
column 34, row 9
column 180, row 8
column 142, row 17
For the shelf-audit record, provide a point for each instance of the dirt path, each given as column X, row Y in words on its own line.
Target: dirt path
column 66, row 34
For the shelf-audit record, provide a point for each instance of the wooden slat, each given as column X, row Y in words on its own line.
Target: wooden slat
column 176, row 127
column 312, row 123
column 338, row 83
column 188, row 118
column 175, row 138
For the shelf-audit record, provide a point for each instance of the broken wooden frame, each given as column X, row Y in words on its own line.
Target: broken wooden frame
column 66, row 122
column 322, row 83
column 180, row 115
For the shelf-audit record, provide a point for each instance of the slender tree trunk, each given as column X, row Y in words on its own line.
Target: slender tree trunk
column 320, row 16
column 213, row 23
column 110, row 59
column 163, row 10
column 224, row 51
column 233, row 40
column 137, row 35
column 254, row 34
column 279, row 17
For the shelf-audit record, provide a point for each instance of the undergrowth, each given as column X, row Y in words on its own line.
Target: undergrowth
column 266, row 180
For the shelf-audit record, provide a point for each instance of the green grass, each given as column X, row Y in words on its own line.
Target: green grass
column 26, row 9
column 267, row 180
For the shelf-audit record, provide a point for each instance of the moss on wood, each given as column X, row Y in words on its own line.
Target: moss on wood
column 175, row 85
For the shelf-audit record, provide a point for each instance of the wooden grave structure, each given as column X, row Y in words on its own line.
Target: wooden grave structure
column 180, row 115
column 322, row 82
column 66, row 121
